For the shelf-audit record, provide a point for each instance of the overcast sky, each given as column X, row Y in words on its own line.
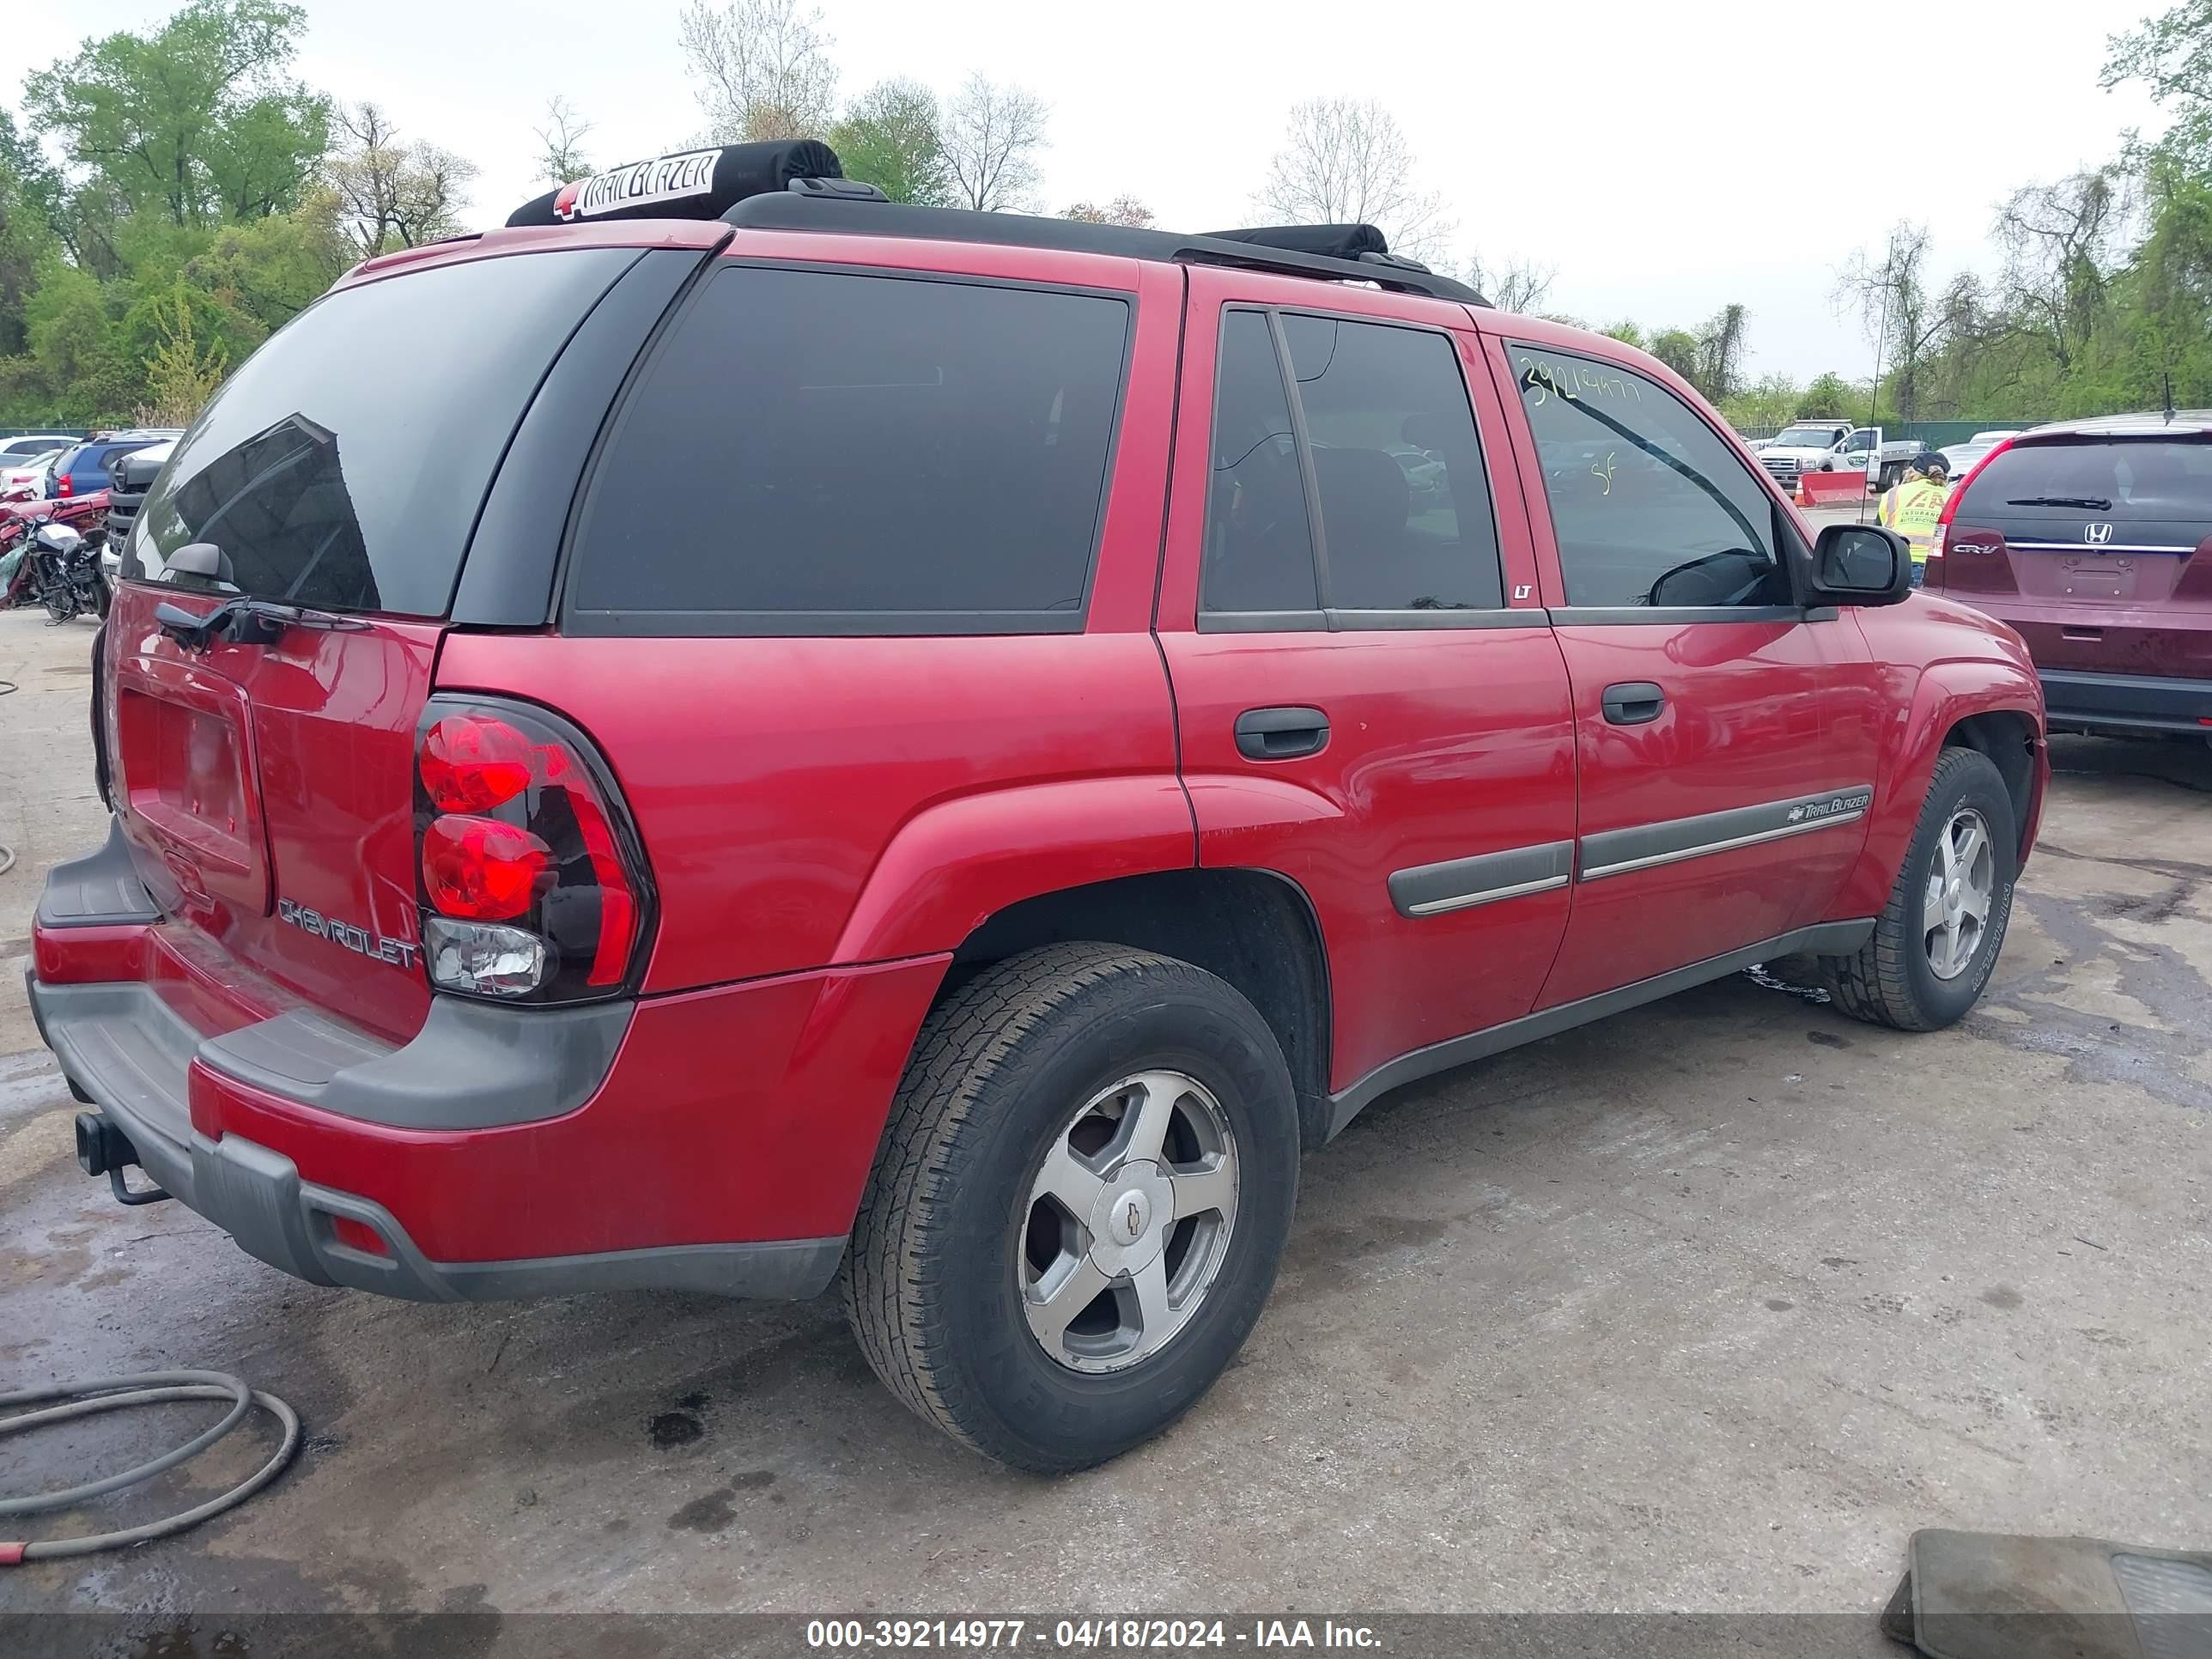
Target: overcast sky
column 1666, row 157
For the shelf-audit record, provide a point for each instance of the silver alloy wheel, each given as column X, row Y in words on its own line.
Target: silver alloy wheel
column 1954, row 913
column 1128, row 1221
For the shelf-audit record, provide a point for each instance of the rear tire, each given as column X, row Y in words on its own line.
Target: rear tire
column 1930, row 956
column 962, row 1237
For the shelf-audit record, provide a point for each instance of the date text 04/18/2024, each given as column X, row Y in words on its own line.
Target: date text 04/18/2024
column 1170, row 1635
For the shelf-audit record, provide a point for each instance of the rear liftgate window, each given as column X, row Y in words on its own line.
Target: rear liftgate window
column 815, row 453
column 2130, row 479
column 342, row 466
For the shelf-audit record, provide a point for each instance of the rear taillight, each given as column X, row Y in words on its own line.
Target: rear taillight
column 64, row 486
column 1935, row 568
column 1959, row 494
column 533, row 880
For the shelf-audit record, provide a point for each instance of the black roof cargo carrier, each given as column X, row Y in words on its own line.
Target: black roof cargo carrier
column 692, row 184
column 1331, row 241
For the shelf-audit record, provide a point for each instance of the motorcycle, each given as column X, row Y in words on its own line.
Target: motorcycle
column 54, row 564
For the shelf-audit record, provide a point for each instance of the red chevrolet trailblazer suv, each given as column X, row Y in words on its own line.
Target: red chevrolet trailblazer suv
column 941, row 751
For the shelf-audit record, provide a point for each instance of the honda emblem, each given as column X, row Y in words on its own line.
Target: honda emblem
column 2096, row 534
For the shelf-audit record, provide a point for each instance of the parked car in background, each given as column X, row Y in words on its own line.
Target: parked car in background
column 29, row 478
column 2093, row 539
column 129, row 480
column 1962, row 458
column 86, row 468
column 1102, row 819
column 14, row 451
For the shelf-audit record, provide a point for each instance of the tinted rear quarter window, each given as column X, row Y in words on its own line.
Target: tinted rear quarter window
column 819, row 451
column 1259, row 541
column 342, row 467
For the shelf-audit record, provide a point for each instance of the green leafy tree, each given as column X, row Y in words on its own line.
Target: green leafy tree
column 890, row 137
column 79, row 369
column 182, row 365
column 1677, row 348
column 265, row 273
column 1772, row 401
column 2171, row 54
column 2168, row 331
column 197, row 120
column 27, row 233
column 1828, row 394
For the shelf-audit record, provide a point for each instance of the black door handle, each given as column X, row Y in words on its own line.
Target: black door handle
column 1280, row 733
column 1633, row 702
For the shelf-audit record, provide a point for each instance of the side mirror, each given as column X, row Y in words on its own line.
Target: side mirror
column 1861, row 564
column 199, row 561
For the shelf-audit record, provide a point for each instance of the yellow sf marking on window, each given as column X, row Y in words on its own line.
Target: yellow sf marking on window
column 1605, row 473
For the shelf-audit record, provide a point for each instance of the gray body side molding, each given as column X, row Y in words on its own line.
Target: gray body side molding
column 1826, row 939
column 1616, row 852
column 1431, row 890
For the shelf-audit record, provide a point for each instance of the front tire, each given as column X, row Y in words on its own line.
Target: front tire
column 1080, row 1203
column 1937, row 939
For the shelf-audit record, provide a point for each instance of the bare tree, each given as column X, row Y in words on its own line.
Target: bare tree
column 992, row 134
column 563, row 134
column 1890, row 294
column 2062, row 243
column 1346, row 162
column 1121, row 210
column 394, row 195
column 1513, row 284
column 765, row 65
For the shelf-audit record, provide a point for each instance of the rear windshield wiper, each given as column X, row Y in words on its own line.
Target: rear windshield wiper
column 2094, row 503
column 247, row 622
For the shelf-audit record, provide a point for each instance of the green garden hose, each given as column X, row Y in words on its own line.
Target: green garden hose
column 108, row 1394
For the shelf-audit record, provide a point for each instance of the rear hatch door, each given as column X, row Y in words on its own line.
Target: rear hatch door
column 266, row 785
column 2097, row 546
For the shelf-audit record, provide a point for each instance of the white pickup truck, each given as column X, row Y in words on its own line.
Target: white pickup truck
column 1824, row 444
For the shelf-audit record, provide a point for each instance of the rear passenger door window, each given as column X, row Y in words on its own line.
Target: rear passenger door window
column 1651, row 508
column 814, row 452
column 1354, row 494
column 1258, row 537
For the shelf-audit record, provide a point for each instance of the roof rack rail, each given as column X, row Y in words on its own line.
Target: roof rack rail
column 800, row 208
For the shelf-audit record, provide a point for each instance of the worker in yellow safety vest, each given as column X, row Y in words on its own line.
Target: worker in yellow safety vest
column 1913, row 506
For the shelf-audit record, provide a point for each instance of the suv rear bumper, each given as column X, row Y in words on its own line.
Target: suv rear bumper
column 713, row 1141
column 2126, row 702
column 102, row 1035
